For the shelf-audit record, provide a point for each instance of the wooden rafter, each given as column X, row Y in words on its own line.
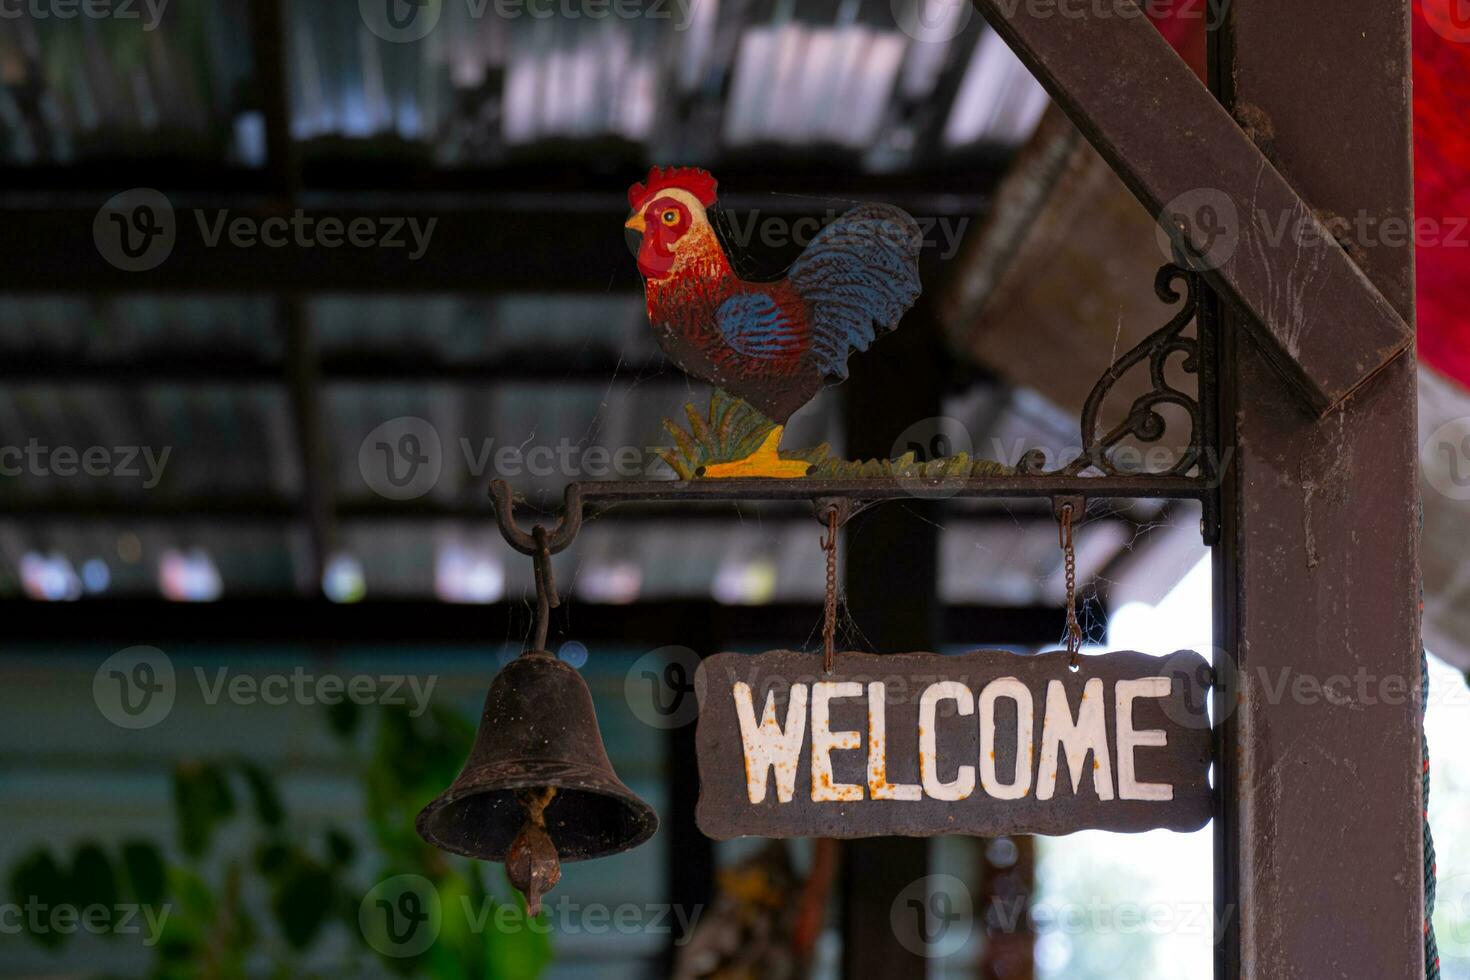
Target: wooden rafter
column 1322, row 323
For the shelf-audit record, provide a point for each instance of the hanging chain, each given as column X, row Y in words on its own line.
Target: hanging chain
column 829, row 624
column 1069, row 559
column 546, row 598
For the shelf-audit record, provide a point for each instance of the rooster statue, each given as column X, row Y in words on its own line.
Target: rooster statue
column 771, row 344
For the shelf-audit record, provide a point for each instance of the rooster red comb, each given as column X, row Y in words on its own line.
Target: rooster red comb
column 692, row 179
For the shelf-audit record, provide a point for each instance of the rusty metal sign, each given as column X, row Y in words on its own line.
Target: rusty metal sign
column 918, row 744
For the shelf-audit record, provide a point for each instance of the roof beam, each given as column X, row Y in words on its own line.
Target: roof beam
column 541, row 241
column 378, row 623
column 1320, row 321
column 347, row 367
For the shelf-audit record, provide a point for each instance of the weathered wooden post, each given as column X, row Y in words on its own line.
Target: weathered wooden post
column 1317, row 573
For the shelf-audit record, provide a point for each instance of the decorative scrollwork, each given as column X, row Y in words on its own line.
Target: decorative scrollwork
column 1144, row 421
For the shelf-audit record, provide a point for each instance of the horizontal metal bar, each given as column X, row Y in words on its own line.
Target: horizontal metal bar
column 264, row 509
column 580, row 496
column 289, row 624
column 893, row 488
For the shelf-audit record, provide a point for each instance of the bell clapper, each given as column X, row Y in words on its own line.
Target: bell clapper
column 532, row 861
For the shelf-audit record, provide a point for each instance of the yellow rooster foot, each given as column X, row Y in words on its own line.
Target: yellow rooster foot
column 764, row 462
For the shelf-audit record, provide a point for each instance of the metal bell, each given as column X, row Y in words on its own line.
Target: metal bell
column 537, row 788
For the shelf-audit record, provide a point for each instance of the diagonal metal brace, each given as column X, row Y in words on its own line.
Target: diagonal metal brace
column 1223, row 206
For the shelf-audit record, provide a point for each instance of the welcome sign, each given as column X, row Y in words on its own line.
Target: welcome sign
column 918, row 744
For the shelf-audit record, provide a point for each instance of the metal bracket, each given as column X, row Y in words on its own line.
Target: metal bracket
column 556, row 540
column 1194, row 476
column 1319, row 319
column 846, row 508
column 1077, row 502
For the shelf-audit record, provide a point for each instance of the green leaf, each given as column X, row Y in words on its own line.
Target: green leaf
column 143, row 865
column 202, row 800
column 519, row 951
column 196, row 900
column 93, row 883
column 92, row 878
column 340, row 848
column 273, row 858
column 38, row 878
column 343, row 717
column 268, row 807
column 302, row 899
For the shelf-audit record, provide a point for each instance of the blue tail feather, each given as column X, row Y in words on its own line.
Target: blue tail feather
column 860, row 274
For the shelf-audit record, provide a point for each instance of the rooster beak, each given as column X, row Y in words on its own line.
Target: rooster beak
column 635, row 223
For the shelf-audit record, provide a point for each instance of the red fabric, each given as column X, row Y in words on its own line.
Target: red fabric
column 1442, row 183
column 1441, row 166
column 1183, row 26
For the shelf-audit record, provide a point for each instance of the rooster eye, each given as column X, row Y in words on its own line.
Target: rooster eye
column 670, row 217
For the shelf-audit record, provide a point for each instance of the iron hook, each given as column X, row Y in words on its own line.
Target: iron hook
column 556, row 540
